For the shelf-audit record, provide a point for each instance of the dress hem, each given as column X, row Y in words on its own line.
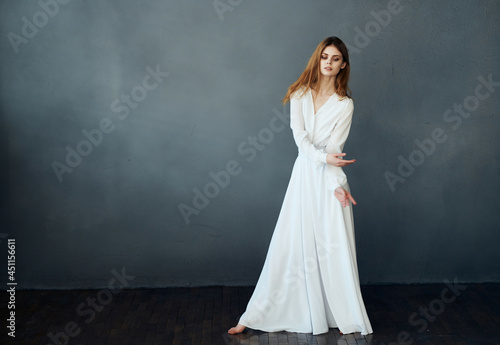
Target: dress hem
column 291, row 330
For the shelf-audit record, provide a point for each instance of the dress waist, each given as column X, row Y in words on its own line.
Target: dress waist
column 321, row 148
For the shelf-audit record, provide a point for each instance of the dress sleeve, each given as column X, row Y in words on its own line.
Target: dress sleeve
column 301, row 136
column 335, row 175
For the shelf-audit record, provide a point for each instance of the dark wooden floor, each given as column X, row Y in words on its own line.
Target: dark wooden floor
column 470, row 315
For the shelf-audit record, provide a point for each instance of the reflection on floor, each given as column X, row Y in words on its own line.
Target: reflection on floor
column 410, row 314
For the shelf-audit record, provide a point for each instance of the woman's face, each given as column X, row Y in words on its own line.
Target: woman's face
column 331, row 61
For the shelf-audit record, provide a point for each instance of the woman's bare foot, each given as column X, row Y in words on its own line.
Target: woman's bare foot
column 238, row 329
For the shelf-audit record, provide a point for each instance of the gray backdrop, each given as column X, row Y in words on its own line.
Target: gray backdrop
column 117, row 115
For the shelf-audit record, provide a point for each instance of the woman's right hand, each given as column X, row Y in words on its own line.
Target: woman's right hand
column 333, row 159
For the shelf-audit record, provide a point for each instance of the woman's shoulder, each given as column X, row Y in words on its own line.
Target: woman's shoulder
column 299, row 94
column 347, row 101
column 348, row 104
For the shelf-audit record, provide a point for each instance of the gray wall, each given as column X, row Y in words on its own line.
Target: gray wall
column 118, row 208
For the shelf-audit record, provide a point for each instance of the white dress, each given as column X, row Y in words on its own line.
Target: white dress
column 309, row 282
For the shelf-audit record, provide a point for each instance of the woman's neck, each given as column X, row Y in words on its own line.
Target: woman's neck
column 325, row 86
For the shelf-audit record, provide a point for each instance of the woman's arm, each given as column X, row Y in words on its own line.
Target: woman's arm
column 301, row 136
column 340, row 131
column 335, row 175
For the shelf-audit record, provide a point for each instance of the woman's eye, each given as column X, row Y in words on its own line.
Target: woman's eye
column 323, row 57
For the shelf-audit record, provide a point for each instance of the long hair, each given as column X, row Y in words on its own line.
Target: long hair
column 312, row 71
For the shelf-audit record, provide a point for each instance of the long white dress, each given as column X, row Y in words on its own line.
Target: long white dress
column 309, row 282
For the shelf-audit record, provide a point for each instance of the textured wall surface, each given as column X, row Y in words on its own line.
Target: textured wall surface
column 115, row 115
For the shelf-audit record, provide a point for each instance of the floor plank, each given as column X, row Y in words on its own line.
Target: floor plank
column 400, row 314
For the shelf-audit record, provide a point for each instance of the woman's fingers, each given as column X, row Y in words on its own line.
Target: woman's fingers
column 344, row 197
column 342, row 162
column 346, row 162
column 335, row 159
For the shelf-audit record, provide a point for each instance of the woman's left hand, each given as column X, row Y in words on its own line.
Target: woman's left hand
column 344, row 197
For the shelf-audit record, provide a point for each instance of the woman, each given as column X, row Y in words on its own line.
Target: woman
column 309, row 282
